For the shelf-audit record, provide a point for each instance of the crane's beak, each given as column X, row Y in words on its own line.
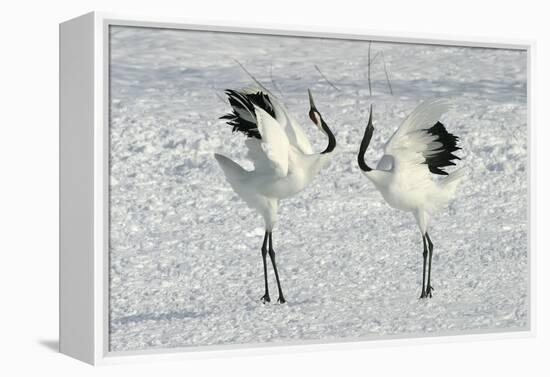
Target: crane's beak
column 311, row 103
column 369, row 124
column 365, row 144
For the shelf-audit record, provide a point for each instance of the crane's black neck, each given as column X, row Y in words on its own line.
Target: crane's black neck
column 364, row 144
column 316, row 118
column 331, row 139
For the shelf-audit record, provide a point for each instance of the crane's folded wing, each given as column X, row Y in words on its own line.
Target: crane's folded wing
column 422, row 139
column 295, row 134
column 274, row 142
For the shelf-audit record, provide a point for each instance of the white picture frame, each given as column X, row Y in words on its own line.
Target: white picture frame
column 84, row 147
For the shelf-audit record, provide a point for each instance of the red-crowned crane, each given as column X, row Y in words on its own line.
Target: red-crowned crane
column 284, row 161
column 420, row 147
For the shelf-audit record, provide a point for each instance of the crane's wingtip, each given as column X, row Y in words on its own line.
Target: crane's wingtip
column 439, row 101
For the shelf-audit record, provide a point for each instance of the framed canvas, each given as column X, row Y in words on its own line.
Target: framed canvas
column 228, row 189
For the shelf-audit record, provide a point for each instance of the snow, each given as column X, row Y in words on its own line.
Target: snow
column 185, row 262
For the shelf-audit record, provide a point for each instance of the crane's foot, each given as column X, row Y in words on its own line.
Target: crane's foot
column 423, row 294
column 281, row 299
column 429, row 291
column 265, row 298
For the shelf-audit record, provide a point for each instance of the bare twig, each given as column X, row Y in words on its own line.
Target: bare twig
column 368, row 69
column 273, row 81
column 251, row 76
column 220, row 97
column 326, row 79
column 375, row 57
column 387, row 74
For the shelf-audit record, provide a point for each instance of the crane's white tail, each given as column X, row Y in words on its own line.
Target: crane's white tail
column 446, row 190
column 233, row 171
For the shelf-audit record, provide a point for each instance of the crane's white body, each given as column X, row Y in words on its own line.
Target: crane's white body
column 262, row 189
column 401, row 175
column 284, row 163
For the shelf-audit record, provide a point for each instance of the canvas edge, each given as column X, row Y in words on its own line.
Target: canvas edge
column 102, row 21
column 532, row 189
column 314, row 31
column 76, row 179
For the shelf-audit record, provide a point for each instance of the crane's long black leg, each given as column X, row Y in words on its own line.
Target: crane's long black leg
column 424, row 255
column 281, row 298
column 265, row 297
column 429, row 288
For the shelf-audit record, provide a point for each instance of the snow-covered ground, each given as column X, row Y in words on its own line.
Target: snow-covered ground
column 186, row 268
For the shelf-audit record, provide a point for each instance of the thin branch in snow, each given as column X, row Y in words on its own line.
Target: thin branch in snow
column 326, row 79
column 251, row 76
column 368, row 69
column 220, row 97
column 273, row 81
column 387, row 73
column 375, row 57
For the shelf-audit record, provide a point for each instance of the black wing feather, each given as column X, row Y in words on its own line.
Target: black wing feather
column 442, row 157
column 245, row 102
